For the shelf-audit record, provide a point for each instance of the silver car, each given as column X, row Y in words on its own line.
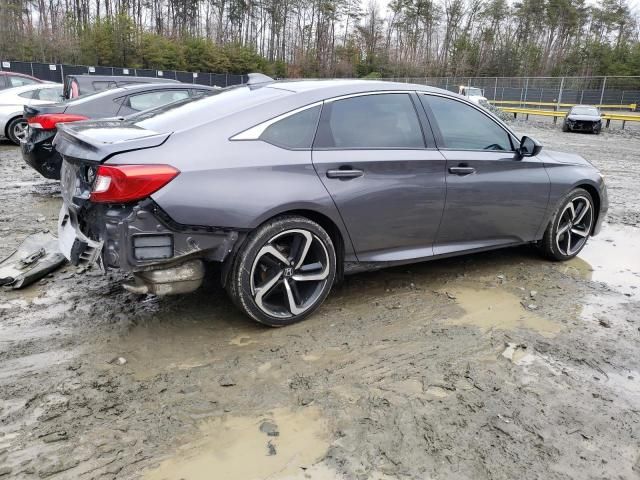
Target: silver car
column 12, row 101
column 290, row 185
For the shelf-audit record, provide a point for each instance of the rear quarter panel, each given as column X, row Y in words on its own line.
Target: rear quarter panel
column 235, row 184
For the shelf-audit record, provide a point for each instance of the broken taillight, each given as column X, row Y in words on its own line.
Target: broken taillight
column 48, row 121
column 128, row 183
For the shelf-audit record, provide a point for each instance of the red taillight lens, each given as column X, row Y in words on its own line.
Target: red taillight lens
column 127, row 183
column 48, row 121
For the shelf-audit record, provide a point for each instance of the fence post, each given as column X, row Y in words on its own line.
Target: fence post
column 31, row 63
column 495, row 90
column 526, row 90
column 61, row 73
column 604, row 84
column 446, row 85
column 560, row 94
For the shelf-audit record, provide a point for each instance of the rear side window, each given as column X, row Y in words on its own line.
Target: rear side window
column 16, row 81
column 370, row 121
column 465, row 128
column 295, row 131
column 28, row 94
column 157, row 98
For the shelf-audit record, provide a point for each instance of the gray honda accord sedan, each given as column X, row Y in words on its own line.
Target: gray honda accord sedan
column 290, row 185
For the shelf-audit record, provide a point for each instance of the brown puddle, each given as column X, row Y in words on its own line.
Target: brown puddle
column 613, row 257
column 496, row 308
column 277, row 446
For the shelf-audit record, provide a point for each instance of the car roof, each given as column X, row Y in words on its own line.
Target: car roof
column 299, row 86
column 20, row 75
column 120, row 78
column 162, row 86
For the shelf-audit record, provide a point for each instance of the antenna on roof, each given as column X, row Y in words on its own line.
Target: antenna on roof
column 257, row 80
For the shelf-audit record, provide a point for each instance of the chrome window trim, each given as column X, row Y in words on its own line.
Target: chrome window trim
column 362, row 94
column 255, row 132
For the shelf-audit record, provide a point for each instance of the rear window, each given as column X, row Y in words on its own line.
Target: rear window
column 207, row 109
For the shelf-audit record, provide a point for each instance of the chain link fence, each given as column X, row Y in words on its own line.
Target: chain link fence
column 56, row 73
column 609, row 90
column 575, row 90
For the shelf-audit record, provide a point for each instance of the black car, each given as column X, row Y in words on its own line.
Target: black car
column 583, row 118
column 37, row 148
column 77, row 85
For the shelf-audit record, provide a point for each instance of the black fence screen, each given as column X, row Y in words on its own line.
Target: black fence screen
column 57, row 72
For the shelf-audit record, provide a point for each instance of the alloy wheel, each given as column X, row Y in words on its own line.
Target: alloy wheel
column 20, row 130
column 574, row 226
column 289, row 273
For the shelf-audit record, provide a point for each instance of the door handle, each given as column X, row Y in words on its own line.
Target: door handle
column 344, row 173
column 462, row 170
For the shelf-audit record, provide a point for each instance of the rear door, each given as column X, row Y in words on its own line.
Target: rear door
column 383, row 173
column 493, row 197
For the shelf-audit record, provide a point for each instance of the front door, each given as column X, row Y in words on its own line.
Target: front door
column 371, row 154
column 493, row 197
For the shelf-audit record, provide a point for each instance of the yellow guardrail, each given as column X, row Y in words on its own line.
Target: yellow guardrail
column 623, row 117
column 632, row 106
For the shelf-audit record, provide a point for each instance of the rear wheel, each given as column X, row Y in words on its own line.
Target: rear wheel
column 569, row 230
column 17, row 130
column 284, row 271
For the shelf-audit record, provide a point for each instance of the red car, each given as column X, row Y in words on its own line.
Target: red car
column 12, row 79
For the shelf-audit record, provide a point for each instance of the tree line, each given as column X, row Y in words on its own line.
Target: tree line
column 329, row 38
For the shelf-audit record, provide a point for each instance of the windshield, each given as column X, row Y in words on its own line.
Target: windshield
column 585, row 111
column 474, row 92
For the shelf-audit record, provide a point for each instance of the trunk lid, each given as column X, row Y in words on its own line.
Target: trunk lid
column 96, row 141
column 33, row 110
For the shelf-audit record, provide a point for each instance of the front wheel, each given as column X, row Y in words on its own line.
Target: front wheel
column 17, row 130
column 570, row 226
column 284, row 271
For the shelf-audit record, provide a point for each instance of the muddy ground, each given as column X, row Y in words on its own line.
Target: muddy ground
column 497, row 366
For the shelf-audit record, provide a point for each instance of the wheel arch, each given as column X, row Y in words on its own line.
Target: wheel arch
column 595, row 195
column 9, row 120
column 589, row 187
column 332, row 229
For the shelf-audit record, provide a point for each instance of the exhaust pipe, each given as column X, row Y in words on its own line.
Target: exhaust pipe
column 183, row 278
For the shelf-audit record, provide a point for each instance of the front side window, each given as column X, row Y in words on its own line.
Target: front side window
column 465, row 128
column 295, row 131
column 376, row 121
column 157, row 98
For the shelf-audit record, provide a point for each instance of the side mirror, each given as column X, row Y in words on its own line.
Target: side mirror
column 529, row 147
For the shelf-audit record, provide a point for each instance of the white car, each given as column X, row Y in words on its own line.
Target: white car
column 473, row 94
column 12, row 101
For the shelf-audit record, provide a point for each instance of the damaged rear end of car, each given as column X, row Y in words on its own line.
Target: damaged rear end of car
column 109, row 216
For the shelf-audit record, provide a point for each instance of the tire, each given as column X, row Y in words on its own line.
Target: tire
column 293, row 260
column 565, row 128
column 569, row 229
column 13, row 128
